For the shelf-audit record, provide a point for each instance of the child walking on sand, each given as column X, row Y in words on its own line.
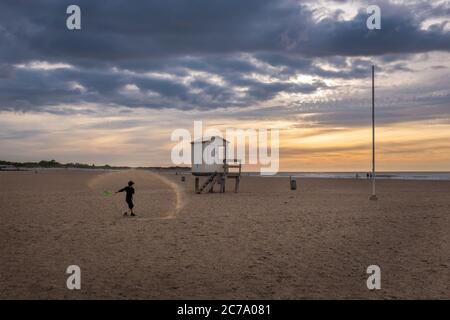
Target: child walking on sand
column 129, row 197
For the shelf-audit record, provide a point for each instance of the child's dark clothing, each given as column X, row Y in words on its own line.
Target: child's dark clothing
column 129, row 197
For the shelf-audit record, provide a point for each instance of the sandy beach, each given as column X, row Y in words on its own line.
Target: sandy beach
column 265, row 242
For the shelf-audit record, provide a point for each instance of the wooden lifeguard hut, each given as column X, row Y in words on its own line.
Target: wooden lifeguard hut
column 217, row 169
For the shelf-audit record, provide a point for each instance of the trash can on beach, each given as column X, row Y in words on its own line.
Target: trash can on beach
column 293, row 183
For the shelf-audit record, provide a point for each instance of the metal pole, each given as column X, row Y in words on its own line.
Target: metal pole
column 373, row 196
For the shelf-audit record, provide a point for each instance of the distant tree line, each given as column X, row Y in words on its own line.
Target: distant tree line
column 56, row 164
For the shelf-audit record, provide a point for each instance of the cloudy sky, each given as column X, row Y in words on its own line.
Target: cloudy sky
column 114, row 91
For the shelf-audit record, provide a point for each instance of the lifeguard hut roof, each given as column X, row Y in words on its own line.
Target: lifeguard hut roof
column 209, row 139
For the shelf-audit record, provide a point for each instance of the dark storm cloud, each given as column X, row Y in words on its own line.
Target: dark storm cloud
column 36, row 88
column 119, row 30
column 233, row 40
column 401, row 33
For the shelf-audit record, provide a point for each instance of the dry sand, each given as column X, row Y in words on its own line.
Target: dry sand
column 265, row 242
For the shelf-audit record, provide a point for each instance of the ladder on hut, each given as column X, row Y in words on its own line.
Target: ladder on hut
column 220, row 178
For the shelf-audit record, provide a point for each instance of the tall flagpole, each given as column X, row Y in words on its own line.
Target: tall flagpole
column 373, row 196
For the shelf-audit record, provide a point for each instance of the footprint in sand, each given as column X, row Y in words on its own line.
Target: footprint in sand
column 156, row 196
